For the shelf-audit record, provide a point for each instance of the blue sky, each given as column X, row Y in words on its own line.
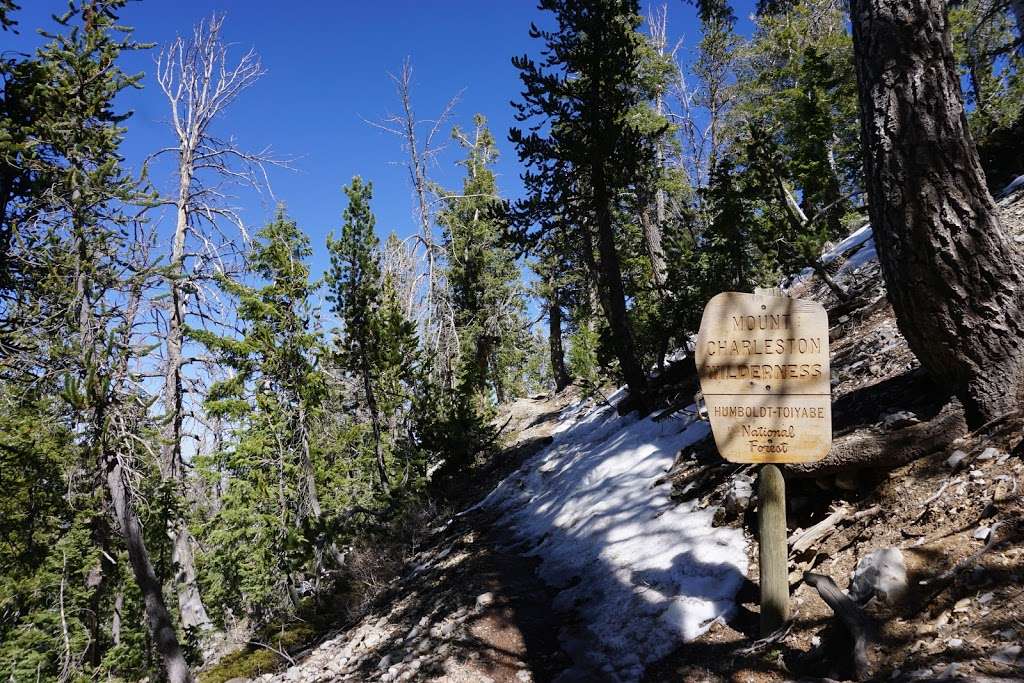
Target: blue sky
column 327, row 65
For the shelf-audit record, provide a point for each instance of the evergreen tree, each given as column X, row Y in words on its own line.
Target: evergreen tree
column 268, row 523
column 481, row 273
column 86, row 297
column 951, row 268
column 377, row 343
column 989, row 50
column 585, row 152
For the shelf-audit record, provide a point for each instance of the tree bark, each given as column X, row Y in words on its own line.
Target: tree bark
column 954, row 277
column 652, row 240
column 190, row 601
column 613, row 296
column 158, row 618
column 558, row 371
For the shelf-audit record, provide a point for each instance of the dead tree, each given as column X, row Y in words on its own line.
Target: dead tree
column 652, row 218
column 434, row 316
column 200, row 82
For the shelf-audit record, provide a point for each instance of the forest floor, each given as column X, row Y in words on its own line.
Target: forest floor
column 480, row 602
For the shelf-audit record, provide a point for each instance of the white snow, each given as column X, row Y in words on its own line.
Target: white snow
column 640, row 573
column 858, row 248
column 857, row 238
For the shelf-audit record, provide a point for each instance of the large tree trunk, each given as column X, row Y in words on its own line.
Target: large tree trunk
column 558, row 371
column 613, row 296
column 161, row 627
column 955, row 279
column 651, row 222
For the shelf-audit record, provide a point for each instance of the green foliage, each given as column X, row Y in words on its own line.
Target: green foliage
column 267, row 523
column 590, row 149
column 482, row 274
column 376, row 346
column 987, row 48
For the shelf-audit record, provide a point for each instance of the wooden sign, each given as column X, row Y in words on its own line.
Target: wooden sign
column 763, row 365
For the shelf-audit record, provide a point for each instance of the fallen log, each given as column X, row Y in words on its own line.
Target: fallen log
column 869, row 449
column 799, row 541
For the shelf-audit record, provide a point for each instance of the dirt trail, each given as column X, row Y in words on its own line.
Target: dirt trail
column 469, row 609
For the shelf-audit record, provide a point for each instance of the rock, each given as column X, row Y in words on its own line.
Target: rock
column 524, row 676
column 990, row 454
column 385, row 661
column 882, row 573
column 899, row 420
column 1006, row 655
column 982, row 533
column 737, row 499
column 954, row 461
column 484, row 600
column 237, row 679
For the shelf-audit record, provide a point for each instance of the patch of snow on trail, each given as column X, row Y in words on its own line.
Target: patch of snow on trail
column 640, row 573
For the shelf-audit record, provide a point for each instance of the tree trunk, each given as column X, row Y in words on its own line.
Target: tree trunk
column 954, row 277
column 115, row 625
column 190, row 601
column 558, row 371
column 158, row 618
column 612, row 293
column 652, row 240
column 371, row 405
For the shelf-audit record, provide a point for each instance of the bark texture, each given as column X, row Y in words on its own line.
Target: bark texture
column 954, row 277
column 607, row 271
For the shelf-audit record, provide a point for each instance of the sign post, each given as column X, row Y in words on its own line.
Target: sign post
column 763, row 364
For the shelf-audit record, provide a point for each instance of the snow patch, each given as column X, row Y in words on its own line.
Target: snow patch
column 641, row 573
column 858, row 249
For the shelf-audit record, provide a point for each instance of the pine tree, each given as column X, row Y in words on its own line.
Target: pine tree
column 269, row 522
column 377, row 344
column 952, row 272
column 481, row 270
column 585, row 152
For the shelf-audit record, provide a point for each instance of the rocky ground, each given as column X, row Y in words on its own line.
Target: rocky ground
column 934, row 538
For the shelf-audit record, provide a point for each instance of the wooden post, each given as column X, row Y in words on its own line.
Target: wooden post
column 773, row 551
column 771, row 518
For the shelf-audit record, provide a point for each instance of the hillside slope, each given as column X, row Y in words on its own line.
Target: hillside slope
column 612, row 548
